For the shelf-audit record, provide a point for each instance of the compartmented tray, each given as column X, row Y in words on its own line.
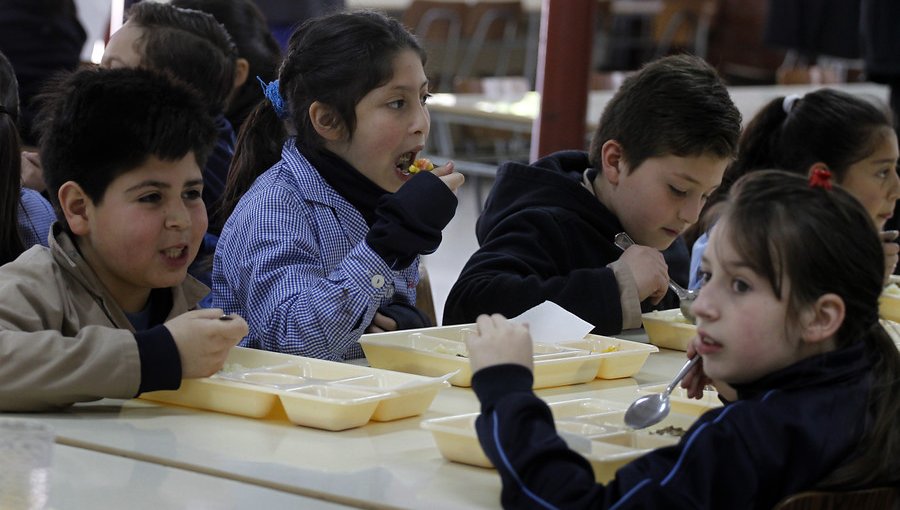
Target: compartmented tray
column 440, row 350
column 889, row 302
column 593, row 427
column 668, row 329
column 309, row 392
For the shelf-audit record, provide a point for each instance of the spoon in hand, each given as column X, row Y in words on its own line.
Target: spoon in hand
column 685, row 297
column 652, row 409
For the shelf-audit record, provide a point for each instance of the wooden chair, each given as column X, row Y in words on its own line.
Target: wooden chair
column 878, row 498
column 684, row 25
column 439, row 26
column 424, row 297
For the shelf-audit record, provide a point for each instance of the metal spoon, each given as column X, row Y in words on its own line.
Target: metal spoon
column 652, row 409
column 685, row 297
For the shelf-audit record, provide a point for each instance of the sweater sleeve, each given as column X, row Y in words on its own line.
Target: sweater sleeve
column 409, row 222
column 160, row 360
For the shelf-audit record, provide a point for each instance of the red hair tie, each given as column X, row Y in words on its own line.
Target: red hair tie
column 821, row 178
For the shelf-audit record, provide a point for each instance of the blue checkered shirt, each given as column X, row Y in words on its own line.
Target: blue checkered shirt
column 293, row 261
column 34, row 218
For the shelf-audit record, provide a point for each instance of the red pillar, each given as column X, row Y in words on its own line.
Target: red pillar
column 564, row 59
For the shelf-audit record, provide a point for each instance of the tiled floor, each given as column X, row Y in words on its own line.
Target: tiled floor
column 458, row 244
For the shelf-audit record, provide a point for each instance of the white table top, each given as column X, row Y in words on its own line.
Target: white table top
column 86, row 479
column 386, row 465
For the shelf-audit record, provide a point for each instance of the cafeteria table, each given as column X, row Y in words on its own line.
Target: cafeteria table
column 380, row 465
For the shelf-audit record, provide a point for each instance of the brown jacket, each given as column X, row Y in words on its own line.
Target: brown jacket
column 63, row 339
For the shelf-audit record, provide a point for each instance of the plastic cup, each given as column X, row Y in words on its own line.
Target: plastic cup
column 26, row 453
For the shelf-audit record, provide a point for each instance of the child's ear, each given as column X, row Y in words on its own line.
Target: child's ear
column 612, row 161
column 74, row 203
column 326, row 122
column 241, row 71
column 823, row 319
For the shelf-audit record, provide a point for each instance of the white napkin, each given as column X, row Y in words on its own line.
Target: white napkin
column 550, row 323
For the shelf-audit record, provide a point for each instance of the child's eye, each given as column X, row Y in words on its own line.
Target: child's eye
column 740, row 286
column 677, row 192
column 703, row 277
column 398, row 104
column 191, row 194
column 425, row 98
column 150, row 198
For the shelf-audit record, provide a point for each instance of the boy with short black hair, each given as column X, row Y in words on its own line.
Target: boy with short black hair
column 101, row 313
column 547, row 229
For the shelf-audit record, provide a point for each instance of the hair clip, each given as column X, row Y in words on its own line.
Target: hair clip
column 820, row 178
column 270, row 90
column 788, row 103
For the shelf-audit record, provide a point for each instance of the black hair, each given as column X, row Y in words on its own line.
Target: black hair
column 255, row 43
column 785, row 229
column 191, row 45
column 11, row 244
column 97, row 124
column 827, row 125
column 335, row 60
column 677, row 105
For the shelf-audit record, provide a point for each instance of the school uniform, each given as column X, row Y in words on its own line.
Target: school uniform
column 308, row 268
column 543, row 235
column 785, row 433
column 63, row 339
column 35, row 215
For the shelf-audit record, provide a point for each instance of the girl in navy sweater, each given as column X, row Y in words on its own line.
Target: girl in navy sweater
column 788, row 316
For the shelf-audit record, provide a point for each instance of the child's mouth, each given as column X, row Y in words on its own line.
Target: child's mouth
column 176, row 256
column 404, row 161
column 707, row 345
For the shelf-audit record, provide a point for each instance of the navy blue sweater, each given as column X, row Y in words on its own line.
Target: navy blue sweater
column 783, row 435
column 544, row 237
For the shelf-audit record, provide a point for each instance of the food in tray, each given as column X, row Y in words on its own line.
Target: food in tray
column 670, row 431
column 678, row 317
column 610, row 348
column 232, row 369
column 892, row 290
column 420, row 165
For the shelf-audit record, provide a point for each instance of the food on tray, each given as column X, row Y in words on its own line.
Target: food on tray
column 670, row 431
column 678, row 317
column 420, row 165
column 454, row 351
column 611, row 348
column 892, row 290
column 231, row 369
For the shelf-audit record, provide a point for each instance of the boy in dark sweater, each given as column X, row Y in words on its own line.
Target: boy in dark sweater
column 547, row 229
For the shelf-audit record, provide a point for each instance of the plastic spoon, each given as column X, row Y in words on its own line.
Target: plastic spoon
column 685, row 297
column 652, row 409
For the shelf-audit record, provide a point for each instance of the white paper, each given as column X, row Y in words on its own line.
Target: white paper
column 550, row 323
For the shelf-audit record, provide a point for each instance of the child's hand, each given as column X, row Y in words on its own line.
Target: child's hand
column 203, row 340
column 381, row 323
column 696, row 380
column 649, row 269
column 498, row 342
column 891, row 250
column 452, row 179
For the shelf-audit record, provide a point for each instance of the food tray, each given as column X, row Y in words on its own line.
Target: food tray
column 309, row 392
column 593, row 427
column 619, row 358
column 681, row 403
column 669, row 329
column 441, row 350
column 889, row 302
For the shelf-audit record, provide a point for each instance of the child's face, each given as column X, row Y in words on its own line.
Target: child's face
column 658, row 200
column 392, row 124
column 874, row 181
column 121, row 51
column 742, row 326
column 146, row 230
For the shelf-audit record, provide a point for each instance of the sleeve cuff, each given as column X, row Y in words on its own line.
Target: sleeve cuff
column 493, row 383
column 628, row 295
column 160, row 361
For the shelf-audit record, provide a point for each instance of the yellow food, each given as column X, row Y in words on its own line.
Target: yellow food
column 420, row 165
column 611, row 348
column 892, row 290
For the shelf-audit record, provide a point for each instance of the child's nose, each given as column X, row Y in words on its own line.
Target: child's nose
column 690, row 210
column 178, row 217
column 422, row 121
column 703, row 306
